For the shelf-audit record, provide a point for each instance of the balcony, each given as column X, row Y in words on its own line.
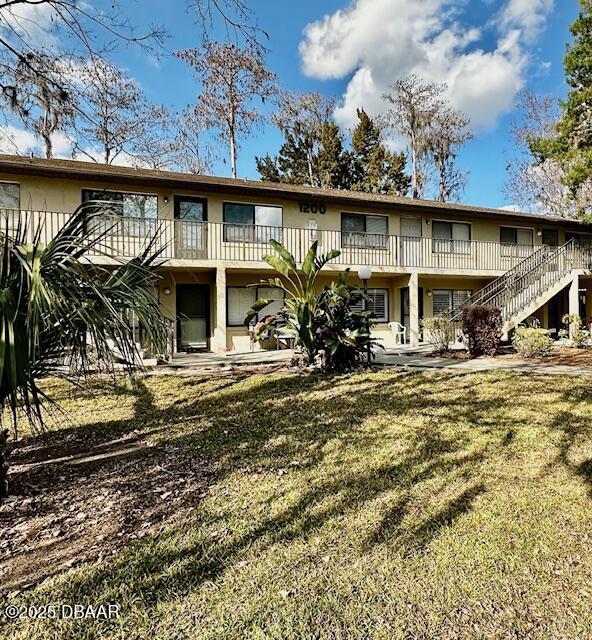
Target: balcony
column 208, row 242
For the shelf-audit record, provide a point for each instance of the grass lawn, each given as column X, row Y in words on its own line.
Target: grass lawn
column 378, row 505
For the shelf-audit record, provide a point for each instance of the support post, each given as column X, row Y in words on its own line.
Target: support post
column 414, row 309
column 219, row 337
column 574, row 302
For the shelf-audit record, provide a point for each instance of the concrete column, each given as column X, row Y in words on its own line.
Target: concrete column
column 219, row 337
column 574, row 300
column 414, row 309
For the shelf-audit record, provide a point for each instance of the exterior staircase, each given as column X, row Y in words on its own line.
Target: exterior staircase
column 530, row 284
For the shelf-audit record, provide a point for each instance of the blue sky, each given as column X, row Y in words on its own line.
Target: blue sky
column 485, row 49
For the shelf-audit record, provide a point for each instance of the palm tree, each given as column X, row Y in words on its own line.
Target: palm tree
column 58, row 308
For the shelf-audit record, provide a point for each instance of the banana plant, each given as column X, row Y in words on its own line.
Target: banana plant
column 323, row 323
column 299, row 293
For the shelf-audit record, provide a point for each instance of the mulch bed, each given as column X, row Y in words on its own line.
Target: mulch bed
column 76, row 502
column 562, row 356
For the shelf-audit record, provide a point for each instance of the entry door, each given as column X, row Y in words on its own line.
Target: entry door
column 190, row 232
column 405, row 308
column 193, row 316
column 410, row 243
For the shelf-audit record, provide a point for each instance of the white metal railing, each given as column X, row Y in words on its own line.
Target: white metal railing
column 192, row 240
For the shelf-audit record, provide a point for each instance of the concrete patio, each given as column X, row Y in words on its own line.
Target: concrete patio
column 404, row 357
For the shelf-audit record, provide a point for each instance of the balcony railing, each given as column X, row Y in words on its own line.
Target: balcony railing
column 215, row 241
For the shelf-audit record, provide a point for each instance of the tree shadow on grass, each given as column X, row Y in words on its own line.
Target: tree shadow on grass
column 272, row 423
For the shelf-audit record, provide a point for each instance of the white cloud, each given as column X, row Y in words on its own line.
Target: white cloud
column 529, row 16
column 17, row 141
column 35, row 22
column 380, row 41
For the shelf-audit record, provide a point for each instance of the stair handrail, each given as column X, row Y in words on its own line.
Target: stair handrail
column 524, row 269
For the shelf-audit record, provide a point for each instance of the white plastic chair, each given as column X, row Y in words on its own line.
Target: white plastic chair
column 399, row 332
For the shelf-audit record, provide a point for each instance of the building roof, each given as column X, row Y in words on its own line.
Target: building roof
column 172, row 179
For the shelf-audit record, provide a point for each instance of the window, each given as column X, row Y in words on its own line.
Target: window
column 377, row 305
column 364, row 231
column 190, row 208
column 241, row 299
column 129, row 205
column 252, row 222
column 444, row 300
column 516, row 242
column 578, row 237
column 10, row 195
column 451, row 237
column 550, row 237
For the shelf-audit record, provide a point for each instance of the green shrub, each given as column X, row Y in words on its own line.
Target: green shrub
column 438, row 331
column 328, row 332
column 482, row 325
column 532, row 342
column 579, row 337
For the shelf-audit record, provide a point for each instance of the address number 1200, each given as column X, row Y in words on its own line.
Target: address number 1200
column 307, row 207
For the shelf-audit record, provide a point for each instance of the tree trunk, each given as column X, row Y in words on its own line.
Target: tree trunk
column 232, row 145
column 48, row 145
column 46, row 135
column 310, row 169
column 414, row 189
column 442, row 180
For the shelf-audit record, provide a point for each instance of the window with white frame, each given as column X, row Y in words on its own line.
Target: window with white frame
column 516, row 242
column 444, row 300
column 377, row 304
column 252, row 222
column 364, row 231
column 451, row 237
column 241, row 299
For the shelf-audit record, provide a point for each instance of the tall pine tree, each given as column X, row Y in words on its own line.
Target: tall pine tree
column 571, row 148
column 333, row 165
column 321, row 161
column 374, row 168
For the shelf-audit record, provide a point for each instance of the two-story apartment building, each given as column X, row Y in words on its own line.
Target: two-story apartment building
column 425, row 256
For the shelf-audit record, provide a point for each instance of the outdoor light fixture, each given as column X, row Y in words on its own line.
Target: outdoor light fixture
column 166, row 199
column 429, row 294
column 365, row 273
column 167, row 291
column 539, row 233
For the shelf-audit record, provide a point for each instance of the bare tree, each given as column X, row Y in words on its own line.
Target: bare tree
column 56, row 27
column 232, row 80
column 191, row 154
column 449, row 130
column 531, row 184
column 41, row 104
column 114, row 116
column 156, row 147
column 237, row 18
column 302, row 119
column 415, row 105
